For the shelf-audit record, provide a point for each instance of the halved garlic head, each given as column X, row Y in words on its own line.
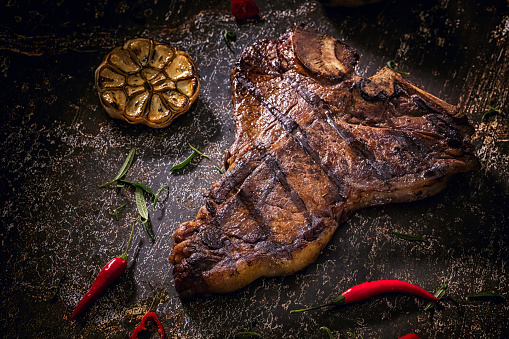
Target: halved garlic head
column 147, row 82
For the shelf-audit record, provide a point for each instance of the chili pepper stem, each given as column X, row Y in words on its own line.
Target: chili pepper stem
column 337, row 301
column 124, row 255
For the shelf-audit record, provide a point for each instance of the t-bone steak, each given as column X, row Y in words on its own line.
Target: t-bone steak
column 314, row 142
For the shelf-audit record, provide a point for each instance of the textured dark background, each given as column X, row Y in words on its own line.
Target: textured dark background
column 58, row 145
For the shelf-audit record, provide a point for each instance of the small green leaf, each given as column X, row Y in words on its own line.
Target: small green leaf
column 56, row 287
column 229, row 36
column 158, row 193
column 409, row 237
column 392, row 65
column 125, row 167
column 118, row 209
column 137, row 184
column 329, row 333
column 142, row 210
column 486, row 295
column 491, row 111
column 219, row 169
column 248, row 334
column 185, row 162
column 140, row 203
column 197, row 151
column 83, row 50
column 439, row 294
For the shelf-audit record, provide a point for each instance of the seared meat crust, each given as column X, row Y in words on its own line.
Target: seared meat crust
column 314, row 142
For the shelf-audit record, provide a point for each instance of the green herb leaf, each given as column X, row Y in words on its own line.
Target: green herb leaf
column 142, row 210
column 56, row 287
column 247, row 334
column 491, row 111
column 229, row 36
column 184, row 163
column 83, row 50
column 137, row 184
column 118, row 209
column 197, row 151
column 326, row 329
column 140, row 203
column 409, row 237
column 486, row 295
column 439, row 294
column 392, row 65
column 219, row 169
column 158, row 193
column 125, row 167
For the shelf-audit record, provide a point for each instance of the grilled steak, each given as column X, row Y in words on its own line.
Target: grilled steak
column 314, row 142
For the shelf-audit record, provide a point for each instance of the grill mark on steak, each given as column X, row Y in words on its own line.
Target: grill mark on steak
column 232, row 178
column 291, row 127
column 280, row 175
column 314, row 143
column 360, row 149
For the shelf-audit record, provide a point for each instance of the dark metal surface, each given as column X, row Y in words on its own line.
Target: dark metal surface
column 58, row 146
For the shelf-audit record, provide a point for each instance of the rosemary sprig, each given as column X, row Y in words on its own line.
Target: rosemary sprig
column 125, row 167
column 392, row 65
column 439, row 294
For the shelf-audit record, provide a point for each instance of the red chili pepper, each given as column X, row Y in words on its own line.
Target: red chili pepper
column 142, row 326
column 243, row 9
column 368, row 289
column 410, row 336
column 105, row 278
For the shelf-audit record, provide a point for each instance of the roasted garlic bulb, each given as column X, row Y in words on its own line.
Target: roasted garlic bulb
column 147, row 82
